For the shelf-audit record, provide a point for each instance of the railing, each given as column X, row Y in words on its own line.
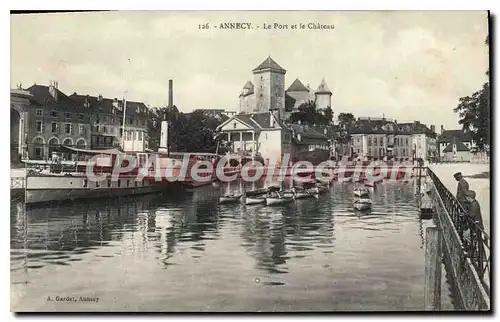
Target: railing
column 17, row 183
column 478, row 241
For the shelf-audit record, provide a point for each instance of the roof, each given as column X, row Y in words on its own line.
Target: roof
column 255, row 120
column 84, row 151
column 41, row 94
column 248, row 89
column 297, row 86
column 306, row 132
column 270, row 64
column 107, row 105
column 448, row 135
column 460, row 146
column 419, row 128
column 323, row 88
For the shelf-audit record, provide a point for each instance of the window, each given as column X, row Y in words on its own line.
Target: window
column 105, row 128
column 39, row 126
column 39, row 112
column 81, row 117
column 67, row 142
column 407, row 141
column 55, row 127
column 67, row 115
column 140, row 136
column 369, row 141
column 128, row 183
column 109, row 183
column 381, row 141
column 118, row 183
column 53, row 113
column 105, row 119
column 134, row 133
column 369, row 151
column 358, row 142
column 234, row 125
column 85, row 183
column 81, row 128
column 129, row 120
column 97, row 184
column 68, row 128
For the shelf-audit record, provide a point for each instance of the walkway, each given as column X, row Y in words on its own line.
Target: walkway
column 480, row 186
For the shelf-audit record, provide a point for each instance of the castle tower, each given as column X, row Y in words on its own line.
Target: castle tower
column 247, row 100
column 299, row 92
column 323, row 96
column 269, row 80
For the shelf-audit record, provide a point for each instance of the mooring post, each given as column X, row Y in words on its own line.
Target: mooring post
column 433, row 259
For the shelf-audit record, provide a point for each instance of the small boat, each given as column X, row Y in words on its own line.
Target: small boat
column 278, row 200
column 306, row 193
column 254, row 200
column 229, row 199
column 362, row 204
column 361, row 192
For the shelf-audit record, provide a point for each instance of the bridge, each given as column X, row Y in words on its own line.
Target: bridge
column 462, row 246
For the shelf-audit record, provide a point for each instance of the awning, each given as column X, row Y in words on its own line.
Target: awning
column 64, row 148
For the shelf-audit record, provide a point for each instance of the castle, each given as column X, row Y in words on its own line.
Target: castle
column 269, row 94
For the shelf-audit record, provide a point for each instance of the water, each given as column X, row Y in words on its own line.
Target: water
column 187, row 253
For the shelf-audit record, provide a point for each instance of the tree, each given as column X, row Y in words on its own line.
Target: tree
column 474, row 113
column 328, row 113
column 346, row 122
column 192, row 132
column 308, row 114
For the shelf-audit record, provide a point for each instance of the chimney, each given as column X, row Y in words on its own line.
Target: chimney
column 53, row 90
column 170, row 93
column 271, row 118
column 442, row 129
column 433, row 128
column 99, row 98
column 396, row 121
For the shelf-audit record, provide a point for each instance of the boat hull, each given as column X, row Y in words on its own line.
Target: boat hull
column 362, row 206
column 228, row 199
column 278, row 201
column 254, row 201
column 45, row 189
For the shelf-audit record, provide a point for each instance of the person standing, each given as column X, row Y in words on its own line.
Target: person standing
column 474, row 214
column 462, row 188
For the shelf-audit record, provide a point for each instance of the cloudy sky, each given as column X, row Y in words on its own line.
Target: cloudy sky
column 406, row 65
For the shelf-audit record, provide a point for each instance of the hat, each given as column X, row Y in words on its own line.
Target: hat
column 470, row 194
column 457, row 174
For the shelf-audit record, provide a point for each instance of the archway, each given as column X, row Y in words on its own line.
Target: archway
column 53, row 144
column 68, row 142
column 81, row 144
column 15, row 135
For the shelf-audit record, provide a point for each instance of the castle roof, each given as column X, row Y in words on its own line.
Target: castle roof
column 248, row 85
column 323, row 88
column 269, row 64
column 297, row 86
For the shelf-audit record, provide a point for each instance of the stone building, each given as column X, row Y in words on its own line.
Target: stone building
column 43, row 118
column 267, row 92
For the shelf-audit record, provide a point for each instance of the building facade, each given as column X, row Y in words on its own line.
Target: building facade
column 49, row 118
column 455, row 145
column 264, row 135
column 381, row 138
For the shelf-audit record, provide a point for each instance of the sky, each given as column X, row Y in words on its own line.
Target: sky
column 402, row 65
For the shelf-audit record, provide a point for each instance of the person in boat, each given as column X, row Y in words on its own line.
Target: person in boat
column 462, row 188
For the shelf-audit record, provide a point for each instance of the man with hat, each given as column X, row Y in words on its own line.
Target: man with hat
column 462, row 188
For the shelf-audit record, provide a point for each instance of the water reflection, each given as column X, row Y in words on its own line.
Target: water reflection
column 186, row 239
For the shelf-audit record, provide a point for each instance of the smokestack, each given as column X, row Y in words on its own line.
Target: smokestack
column 442, row 129
column 170, row 93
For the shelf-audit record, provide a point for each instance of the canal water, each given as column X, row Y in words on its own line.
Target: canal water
column 187, row 253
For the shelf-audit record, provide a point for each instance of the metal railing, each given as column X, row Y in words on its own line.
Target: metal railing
column 477, row 243
column 17, row 183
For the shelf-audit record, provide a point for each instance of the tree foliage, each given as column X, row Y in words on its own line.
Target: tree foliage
column 346, row 121
column 289, row 103
column 192, row 132
column 474, row 113
column 308, row 114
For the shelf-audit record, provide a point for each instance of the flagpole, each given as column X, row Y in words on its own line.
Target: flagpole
column 125, row 108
